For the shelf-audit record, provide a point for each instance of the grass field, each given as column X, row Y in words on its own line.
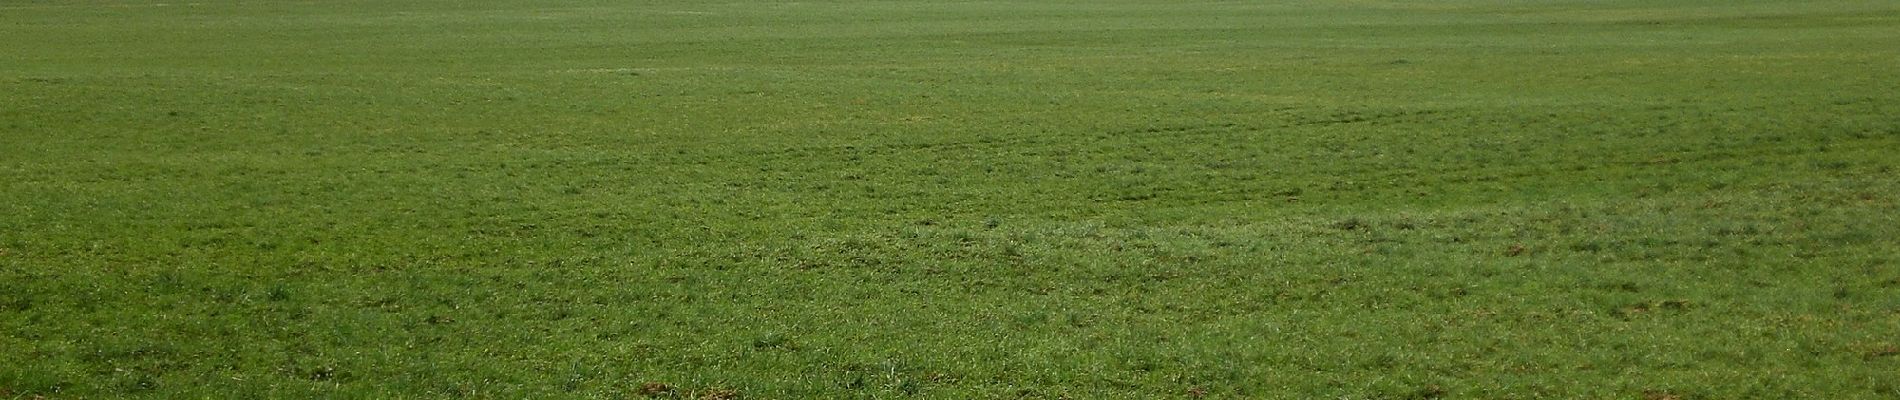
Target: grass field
column 877, row 199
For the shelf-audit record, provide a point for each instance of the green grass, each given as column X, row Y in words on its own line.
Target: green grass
column 1032, row 199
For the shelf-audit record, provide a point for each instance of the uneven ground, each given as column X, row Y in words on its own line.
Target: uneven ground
column 1027, row 199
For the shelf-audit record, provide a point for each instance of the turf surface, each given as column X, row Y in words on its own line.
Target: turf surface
column 1033, row 199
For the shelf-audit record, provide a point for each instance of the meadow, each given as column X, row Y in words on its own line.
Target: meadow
column 1040, row 199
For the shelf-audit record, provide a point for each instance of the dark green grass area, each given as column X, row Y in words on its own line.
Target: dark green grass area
column 1037, row 199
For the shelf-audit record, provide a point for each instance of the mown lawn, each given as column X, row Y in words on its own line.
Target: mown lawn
column 881, row 199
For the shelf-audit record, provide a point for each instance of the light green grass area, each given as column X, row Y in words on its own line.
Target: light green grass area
column 953, row 200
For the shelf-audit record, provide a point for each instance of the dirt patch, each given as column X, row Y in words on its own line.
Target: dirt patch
column 1882, row 352
column 655, row 389
column 1660, row 395
column 719, row 394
